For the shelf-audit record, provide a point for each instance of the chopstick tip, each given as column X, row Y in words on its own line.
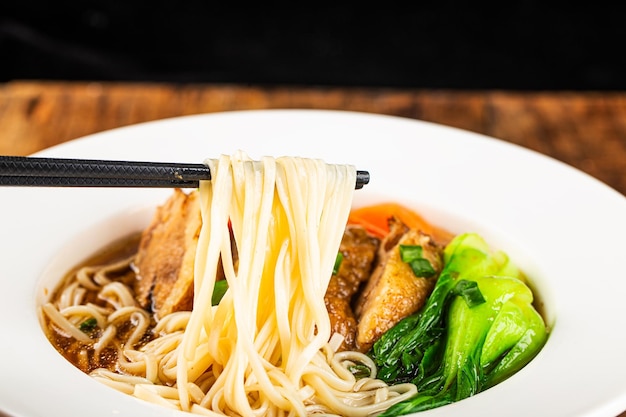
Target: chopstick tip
column 362, row 178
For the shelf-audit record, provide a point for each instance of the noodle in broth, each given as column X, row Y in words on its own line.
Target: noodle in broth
column 264, row 349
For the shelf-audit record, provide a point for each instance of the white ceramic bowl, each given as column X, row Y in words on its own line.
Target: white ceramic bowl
column 564, row 228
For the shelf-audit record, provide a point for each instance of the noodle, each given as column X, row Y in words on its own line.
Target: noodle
column 266, row 348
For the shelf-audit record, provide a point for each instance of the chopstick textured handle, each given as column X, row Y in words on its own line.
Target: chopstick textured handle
column 88, row 168
column 36, row 181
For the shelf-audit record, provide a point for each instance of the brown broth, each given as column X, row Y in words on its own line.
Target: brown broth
column 83, row 355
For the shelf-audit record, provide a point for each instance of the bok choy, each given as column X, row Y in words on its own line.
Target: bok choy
column 478, row 327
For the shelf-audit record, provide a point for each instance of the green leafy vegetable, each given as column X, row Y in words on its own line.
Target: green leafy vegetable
column 477, row 328
column 219, row 290
column 360, row 371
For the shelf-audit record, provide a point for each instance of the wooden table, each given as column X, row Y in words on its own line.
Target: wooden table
column 585, row 130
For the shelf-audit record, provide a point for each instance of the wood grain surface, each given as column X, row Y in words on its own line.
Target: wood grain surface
column 585, row 130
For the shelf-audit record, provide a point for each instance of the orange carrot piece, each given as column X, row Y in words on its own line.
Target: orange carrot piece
column 374, row 219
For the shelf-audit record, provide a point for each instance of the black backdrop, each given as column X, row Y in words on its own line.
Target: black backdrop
column 524, row 45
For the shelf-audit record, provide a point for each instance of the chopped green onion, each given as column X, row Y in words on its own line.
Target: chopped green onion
column 218, row 291
column 338, row 261
column 422, row 268
column 412, row 255
column 470, row 292
column 88, row 325
column 409, row 253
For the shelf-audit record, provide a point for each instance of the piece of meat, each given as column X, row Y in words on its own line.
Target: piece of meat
column 165, row 260
column 359, row 251
column 393, row 291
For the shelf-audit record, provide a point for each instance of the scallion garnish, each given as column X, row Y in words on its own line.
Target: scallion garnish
column 422, row 268
column 470, row 292
column 338, row 261
column 412, row 255
column 88, row 325
column 409, row 253
column 218, row 291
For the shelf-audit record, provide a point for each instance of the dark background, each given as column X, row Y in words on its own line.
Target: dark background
column 520, row 45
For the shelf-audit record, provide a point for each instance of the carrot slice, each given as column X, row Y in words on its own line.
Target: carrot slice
column 374, row 219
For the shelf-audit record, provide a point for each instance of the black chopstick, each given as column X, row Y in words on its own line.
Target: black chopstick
column 36, row 181
column 95, row 168
column 64, row 172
